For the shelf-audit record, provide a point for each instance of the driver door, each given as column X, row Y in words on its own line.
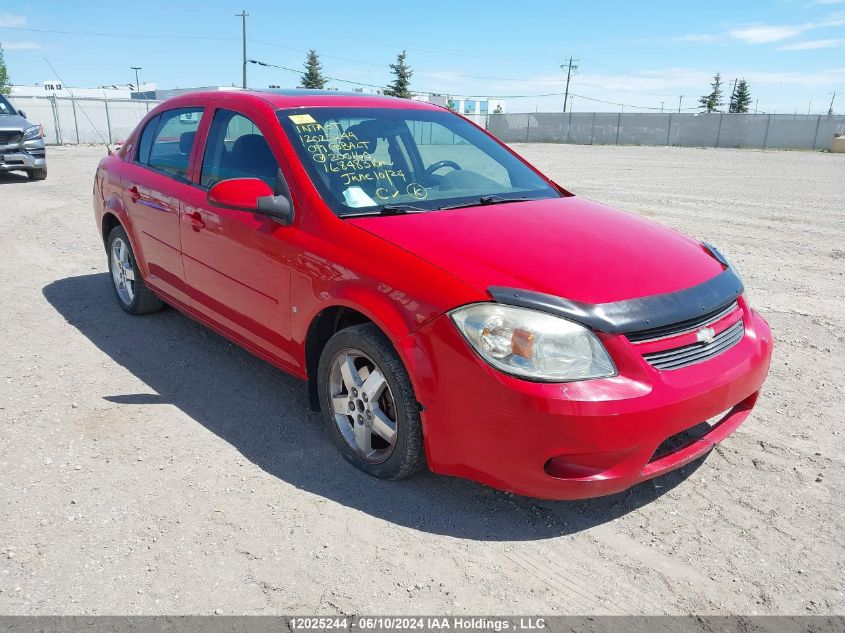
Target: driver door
column 237, row 264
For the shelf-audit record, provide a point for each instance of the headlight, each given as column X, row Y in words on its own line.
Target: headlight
column 34, row 131
column 533, row 344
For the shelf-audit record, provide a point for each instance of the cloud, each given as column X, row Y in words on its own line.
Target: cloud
column 9, row 19
column 769, row 33
column 765, row 34
column 829, row 2
column 21, row 46
column 813, row 45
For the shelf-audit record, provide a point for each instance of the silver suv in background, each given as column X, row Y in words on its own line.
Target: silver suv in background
column 21, row 143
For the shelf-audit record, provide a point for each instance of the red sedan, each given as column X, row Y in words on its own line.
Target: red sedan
column 447, row 304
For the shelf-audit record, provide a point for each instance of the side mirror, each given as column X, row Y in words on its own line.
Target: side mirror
column 251, row 194
column 22, row 113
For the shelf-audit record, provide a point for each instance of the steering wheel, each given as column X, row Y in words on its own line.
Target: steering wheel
column 440, row 164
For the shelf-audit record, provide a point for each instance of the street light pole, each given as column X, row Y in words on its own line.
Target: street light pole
column 243, row 15
column 137, row 83
column 680, row 100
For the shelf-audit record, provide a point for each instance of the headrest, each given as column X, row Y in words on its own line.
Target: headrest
column 251, row 144
column 367, row 132
column 186, row 142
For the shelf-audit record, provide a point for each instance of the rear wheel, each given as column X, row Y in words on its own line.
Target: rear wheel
column 37, row 174
column 131, row 292
column 369, row 405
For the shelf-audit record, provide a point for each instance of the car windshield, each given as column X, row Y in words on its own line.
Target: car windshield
column 374, row 160
column 5, row 107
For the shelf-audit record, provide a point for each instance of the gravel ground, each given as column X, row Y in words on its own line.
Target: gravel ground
column 149, row 466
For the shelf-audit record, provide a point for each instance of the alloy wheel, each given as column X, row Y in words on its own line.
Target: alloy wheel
column 123, row 271
column 363, row 406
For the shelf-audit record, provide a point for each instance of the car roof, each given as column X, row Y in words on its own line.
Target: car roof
column 299, row 98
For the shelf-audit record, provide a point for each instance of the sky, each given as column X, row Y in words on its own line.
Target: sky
column 635, row 55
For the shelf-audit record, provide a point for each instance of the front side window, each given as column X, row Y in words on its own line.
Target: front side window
column 236, row 148
column 6, row 107
column 168, row 139
column 364, row 159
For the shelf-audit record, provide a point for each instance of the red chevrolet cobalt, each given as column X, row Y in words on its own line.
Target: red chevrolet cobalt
column 447, row 303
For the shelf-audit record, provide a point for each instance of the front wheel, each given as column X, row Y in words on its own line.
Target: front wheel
column 37, row 174
column 129, row 288
column 369, row 405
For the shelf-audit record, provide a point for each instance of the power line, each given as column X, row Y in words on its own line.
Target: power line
column 424, row 92
column 121, row 35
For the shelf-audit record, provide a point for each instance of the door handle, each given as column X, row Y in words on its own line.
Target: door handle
column 134, row 193
column 195, row 220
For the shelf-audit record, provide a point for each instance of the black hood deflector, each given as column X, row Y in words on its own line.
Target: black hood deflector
column 635, row 315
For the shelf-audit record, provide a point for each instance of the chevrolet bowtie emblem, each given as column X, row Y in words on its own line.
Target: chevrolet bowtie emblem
column 706, row 335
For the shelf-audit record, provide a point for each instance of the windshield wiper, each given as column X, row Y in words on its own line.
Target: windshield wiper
column 388, row 209
column 484, row 201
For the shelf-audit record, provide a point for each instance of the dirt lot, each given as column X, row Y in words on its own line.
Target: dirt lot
column 148, row 465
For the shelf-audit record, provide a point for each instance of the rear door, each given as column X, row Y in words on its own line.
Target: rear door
column 237, row 264
column 154, row 185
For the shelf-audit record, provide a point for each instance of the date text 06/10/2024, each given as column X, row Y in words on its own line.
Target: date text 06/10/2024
column 422, row 623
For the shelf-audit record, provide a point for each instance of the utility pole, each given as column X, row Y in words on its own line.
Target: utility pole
column 570, row 67
column 680, row 101
column 830, row 109
column 137, row 83
column 243, row 15
column 661, row 107
column 809, row 106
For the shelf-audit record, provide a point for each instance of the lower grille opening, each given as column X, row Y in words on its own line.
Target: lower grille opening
column 674, row 443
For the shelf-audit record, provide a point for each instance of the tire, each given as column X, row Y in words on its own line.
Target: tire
column 129, row 289
column 350, row 416
column 37, row 174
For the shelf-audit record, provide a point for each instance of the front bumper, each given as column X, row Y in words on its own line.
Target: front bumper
column 24, row 156
column 579, row 439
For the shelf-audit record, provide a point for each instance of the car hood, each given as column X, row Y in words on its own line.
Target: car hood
column 13, row 122
column 568, row 247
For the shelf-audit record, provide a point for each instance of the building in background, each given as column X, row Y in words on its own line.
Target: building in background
column 55, row 88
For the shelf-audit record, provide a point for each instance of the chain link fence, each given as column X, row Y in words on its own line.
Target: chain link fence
column 761, row 131
column 84, row 120
column 69, row 120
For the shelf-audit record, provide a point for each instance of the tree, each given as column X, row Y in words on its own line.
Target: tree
column 713, row 101
column 5, row 86
column 313, row 75
column 400, row 86
column 741, row 98
column 451, row 104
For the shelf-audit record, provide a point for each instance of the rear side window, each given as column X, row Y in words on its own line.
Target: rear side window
column 146, row 141
column 236, row 148
column 167, row 141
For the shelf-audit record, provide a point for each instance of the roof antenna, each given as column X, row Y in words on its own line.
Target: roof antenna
column 81, row 109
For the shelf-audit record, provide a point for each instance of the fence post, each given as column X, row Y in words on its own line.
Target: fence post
column 56, row 119
column 75, row 122
column 669, row 130
column 816, row 135
column 593, row 128
column 719, row 131
column 108, row 118
column 766, row 137
column 527, row 127
column 618, row 126
column 569, row 126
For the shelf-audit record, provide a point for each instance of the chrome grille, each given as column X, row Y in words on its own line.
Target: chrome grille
column 697, row 352
column 10, row 138
column 680, row 327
